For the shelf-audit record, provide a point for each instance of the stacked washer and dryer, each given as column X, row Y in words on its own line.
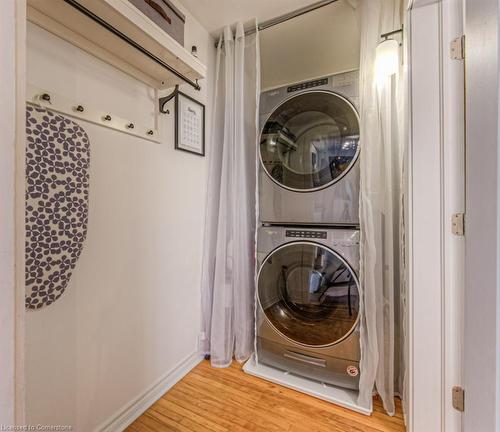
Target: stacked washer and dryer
column 308, row 239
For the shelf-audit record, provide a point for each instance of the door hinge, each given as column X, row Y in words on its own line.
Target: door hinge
column 458, row 398
column 457, row 48
column 458, row 224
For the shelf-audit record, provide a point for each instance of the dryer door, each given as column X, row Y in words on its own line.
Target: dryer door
column 309, row 294
column 310, row 141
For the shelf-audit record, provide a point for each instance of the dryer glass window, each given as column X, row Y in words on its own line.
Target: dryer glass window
column 310, row 141
column 309, row 294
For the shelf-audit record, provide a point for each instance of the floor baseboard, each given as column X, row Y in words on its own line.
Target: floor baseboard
column 125, row 416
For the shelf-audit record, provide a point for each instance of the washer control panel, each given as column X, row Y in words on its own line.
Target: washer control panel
column 306, row 234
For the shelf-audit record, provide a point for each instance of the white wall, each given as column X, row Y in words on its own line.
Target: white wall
column 231, row 11
column 316, row 44
column 7, row 194
column 131, row 312
column 12, row 141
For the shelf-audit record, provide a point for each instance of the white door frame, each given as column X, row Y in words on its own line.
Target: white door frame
column 12, row 172
column 482, row 264
column 436, row 191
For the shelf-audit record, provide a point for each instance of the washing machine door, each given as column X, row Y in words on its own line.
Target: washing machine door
column 310, row 141
column 309, row 294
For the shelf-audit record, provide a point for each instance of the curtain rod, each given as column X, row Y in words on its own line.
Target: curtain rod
column 131, row 42
column 286, row 17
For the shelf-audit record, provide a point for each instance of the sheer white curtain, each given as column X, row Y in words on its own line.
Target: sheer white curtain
column 382, row 131
column 228, row 262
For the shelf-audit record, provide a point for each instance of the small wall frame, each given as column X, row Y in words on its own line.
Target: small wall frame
column 189, row 124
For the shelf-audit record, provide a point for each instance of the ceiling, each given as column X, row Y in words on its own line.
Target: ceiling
column 215, row 14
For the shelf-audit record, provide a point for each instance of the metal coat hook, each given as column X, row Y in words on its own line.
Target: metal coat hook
column 168, row 98
column 46, row 98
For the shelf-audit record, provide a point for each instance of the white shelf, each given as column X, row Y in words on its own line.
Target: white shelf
column 63, row 20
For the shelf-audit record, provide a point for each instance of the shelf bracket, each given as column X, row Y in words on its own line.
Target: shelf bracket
column 166, row 99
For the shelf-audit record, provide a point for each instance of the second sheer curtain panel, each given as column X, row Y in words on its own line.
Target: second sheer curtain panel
column 228, row 263
column 382, row 133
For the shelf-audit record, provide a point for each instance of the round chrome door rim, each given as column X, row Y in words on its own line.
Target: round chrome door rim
column 335, row 180
column 341, row 258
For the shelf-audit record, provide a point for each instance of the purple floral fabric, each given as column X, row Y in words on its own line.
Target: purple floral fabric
column 57, row 203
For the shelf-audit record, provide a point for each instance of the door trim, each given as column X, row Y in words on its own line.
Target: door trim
column 12, row 236
column 436, row 171
column 482, row 236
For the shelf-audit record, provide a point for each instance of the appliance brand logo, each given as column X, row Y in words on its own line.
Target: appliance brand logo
column 352, row 371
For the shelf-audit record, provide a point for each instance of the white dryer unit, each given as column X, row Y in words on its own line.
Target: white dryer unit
column 308, row 303
column 309, row 147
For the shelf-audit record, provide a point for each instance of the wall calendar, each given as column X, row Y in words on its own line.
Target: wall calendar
column 189, row 124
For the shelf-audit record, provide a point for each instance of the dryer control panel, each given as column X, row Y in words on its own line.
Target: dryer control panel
column 306, row 234
column 307, row 85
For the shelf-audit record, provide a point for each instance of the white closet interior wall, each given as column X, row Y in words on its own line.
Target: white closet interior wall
column 130, row 316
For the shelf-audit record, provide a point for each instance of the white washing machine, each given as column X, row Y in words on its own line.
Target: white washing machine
column 308, row 302
column 309, row 148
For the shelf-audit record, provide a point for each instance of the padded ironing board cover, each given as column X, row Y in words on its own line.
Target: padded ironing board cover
column 57, row 203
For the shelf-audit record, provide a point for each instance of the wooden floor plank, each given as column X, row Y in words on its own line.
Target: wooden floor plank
column 228, row 400
column 270, row 403
column 297, row 402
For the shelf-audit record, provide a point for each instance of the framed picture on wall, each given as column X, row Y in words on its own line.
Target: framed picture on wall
column 189, row 124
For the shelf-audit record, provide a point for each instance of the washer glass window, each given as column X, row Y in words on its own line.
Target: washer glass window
column 310, row 141
column 309, row 294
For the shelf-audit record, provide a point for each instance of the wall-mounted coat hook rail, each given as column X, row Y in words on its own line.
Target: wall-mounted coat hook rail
column 54, row 102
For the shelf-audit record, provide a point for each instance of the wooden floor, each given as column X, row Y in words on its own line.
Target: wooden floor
column 218, row 400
